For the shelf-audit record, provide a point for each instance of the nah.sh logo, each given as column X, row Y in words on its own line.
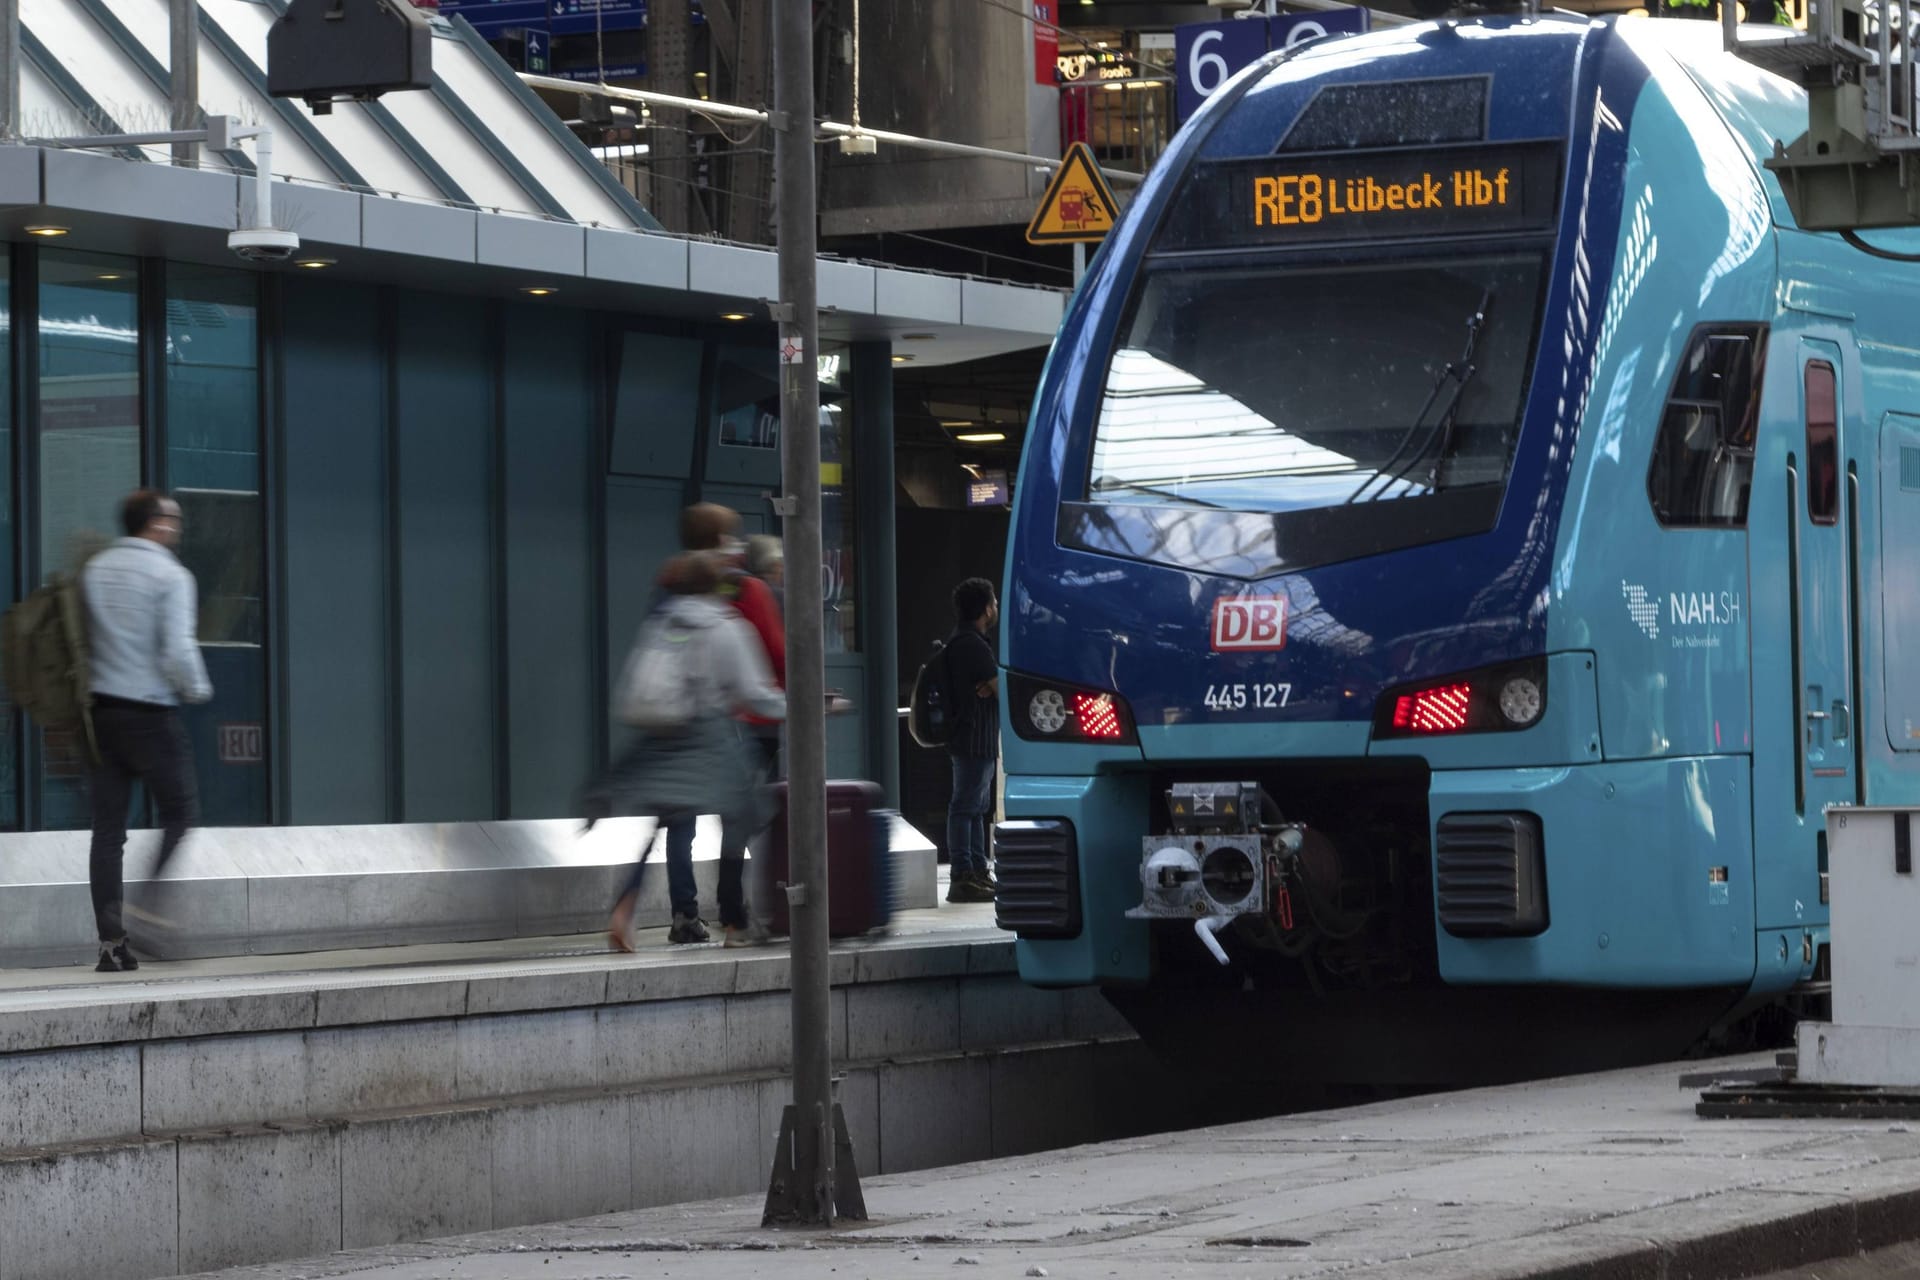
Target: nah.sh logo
column 1248, row 622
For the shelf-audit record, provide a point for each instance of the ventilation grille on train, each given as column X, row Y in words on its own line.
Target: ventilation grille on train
column 1491, row 878
column 1037, row 865
column 1910, row 468
column 1391, row 115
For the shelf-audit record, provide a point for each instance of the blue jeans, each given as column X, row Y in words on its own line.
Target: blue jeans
column 682, row 893
column 967, row 814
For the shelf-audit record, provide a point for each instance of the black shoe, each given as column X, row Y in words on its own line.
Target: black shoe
column 967, row 889
column 116, row 958
column 688, row 929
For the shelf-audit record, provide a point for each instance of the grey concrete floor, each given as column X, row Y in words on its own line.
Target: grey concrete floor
column 1595, row 1176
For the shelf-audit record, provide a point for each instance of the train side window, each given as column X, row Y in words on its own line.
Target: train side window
column 1823, row 444
column 1702, row 467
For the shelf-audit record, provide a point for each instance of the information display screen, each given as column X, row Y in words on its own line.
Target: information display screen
column 1277, row 200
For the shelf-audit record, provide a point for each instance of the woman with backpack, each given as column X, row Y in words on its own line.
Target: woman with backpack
column 696, row 664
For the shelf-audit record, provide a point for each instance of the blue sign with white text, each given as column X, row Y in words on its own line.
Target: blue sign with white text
column 1208, row 54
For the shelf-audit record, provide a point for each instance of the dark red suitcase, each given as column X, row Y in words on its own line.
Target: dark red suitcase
column 859, row 866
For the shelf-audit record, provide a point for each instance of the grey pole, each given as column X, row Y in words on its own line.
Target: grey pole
column 184, row 73
column 808, row 1185
column 10, row 69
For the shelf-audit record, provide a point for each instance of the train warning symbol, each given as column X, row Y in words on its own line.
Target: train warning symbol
column 1078, row 205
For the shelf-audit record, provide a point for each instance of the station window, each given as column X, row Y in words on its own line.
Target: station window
column 1823, row 444
column 213, row 467
column 90, row 441
column 1702, row 469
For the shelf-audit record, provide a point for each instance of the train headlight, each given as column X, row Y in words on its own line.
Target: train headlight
column 1047, row 711
column 1520, row 701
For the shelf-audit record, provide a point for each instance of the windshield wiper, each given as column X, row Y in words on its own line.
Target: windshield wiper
column 1181, row 498
column 1459, row 374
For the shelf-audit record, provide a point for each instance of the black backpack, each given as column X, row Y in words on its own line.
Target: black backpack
column 930, row 708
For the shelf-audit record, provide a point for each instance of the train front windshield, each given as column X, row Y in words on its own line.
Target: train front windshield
column 1298, row 388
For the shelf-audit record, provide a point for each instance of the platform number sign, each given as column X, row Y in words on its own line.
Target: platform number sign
column 240, row 742
column 1208, row 54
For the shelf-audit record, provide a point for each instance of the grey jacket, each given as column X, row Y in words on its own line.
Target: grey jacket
column 707, row 767
column 738, row 679
column 142, row 609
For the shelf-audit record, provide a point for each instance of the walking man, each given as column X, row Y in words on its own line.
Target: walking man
column 142, row 607
column 973, row 674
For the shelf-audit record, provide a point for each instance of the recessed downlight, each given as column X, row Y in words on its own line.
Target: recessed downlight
column 539, row 290
column 903, row 359
column 981, row 437
column 314, row 264
column 735, row 316
column 46, row 230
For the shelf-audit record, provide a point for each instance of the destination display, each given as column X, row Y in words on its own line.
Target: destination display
column 1366, row 196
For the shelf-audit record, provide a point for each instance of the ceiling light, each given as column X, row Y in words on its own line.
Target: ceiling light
column 539, row 290
column 48, row 231
column 735, row 315
column 967, row 423
column 903, row 359
column 108, row 275
column 314, row 264
column 981, row 437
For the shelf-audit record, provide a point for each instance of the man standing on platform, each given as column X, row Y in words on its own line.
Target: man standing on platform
column 142, row 608
column 973, row 675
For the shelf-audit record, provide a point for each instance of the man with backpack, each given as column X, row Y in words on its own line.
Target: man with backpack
column 142, row 608
column 973, row 743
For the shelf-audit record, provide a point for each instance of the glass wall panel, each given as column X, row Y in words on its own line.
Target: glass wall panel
column 839, row 531
column 9, row 744
column 213, row 468
column 89, row 448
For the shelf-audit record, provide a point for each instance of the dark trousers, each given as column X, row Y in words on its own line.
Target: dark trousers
column 150, row 744
column 967, row 814
column 682, row 893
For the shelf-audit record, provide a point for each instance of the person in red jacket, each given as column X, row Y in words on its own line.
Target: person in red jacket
column 715, row 530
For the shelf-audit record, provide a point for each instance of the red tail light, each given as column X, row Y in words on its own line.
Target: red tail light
column 1495, row 699
column 1052, row 711
column 1441, row 709
column 1096, row 717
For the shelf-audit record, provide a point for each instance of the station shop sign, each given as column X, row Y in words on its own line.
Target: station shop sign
column 1208, row 54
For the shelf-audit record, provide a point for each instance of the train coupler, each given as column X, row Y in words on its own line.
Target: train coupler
column 1226, row 857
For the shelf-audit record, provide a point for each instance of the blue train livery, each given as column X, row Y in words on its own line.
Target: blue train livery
column 1456, row 562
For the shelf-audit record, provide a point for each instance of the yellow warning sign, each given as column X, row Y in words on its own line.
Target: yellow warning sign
column 1078, row 205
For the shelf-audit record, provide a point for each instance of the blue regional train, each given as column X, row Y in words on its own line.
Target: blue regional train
column 1457, row 560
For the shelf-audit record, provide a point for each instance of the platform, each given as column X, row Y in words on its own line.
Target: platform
column 263, row 890
column 243, row 1109
column 1597, row 1177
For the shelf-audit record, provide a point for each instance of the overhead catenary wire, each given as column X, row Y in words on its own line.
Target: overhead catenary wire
column 829, row 128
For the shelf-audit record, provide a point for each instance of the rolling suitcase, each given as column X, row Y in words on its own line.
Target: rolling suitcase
column 859, row 865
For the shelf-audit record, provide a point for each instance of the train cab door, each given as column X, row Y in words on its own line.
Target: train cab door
column 1821, row 612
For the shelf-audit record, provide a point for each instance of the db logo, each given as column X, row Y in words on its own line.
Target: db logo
column 1249, row 623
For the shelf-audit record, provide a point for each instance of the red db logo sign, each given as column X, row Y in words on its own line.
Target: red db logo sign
column 1241, row 623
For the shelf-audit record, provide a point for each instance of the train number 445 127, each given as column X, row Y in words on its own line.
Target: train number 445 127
column 1240, row 697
